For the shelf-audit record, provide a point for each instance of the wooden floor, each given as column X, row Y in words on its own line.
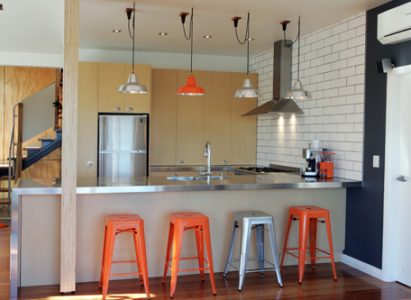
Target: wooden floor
column 317, row 284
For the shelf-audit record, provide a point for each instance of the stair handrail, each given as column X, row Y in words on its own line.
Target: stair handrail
column 12, row 151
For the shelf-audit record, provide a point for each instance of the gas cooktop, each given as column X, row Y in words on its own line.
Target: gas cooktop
column 262, row 170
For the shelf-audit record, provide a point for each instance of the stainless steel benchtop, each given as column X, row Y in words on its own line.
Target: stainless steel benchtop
column 162, row 184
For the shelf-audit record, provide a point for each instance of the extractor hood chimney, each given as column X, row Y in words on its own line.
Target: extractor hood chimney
column 281, row 84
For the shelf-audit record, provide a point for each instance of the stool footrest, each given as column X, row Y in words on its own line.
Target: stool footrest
column 193, row 269
column 189, row 258
column 287, row 250
column 265, row 261
column 258, row 270
column 126, row 274
column 123, row 261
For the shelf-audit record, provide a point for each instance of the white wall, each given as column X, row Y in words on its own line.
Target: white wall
column 332, row 67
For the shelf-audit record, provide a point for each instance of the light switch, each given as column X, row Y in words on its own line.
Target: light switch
column 375, row 161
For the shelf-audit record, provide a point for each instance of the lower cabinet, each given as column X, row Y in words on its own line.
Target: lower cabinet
column 181, row 125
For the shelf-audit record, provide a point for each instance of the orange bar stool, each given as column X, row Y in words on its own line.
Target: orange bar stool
column 116, row 224
column 180, row 222
column 308, row 217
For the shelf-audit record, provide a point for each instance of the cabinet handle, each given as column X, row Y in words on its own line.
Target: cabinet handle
column 129, row 108
column 225, row 161
column 90, row 163
column 117, row 108
column 180, row 161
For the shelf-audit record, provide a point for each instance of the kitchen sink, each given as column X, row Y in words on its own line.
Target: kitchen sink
column 194, row 178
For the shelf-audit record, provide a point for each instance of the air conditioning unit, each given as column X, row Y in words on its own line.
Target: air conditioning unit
column 394, row 25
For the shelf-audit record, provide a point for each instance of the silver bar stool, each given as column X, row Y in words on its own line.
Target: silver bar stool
column 247, row 221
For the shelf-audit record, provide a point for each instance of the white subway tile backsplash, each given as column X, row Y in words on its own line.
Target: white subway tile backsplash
column 332, row 68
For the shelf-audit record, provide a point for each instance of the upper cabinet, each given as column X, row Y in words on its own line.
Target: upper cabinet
column 181, row 125
column 110, row 77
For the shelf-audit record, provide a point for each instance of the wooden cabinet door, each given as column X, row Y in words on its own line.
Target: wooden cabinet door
column 110, row 77
column 190, row 124
column 217, row 110
column 87, row 120
column 163, row 120
column 139, row 103
column 243, row 136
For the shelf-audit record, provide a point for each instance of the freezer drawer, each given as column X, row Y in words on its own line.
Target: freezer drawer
column 122, row 165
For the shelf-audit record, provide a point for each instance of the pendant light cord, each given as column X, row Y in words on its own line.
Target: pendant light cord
column 298, row 51
column 189, row 36
column 293, row 42
column 246, row 38
column 132, row 34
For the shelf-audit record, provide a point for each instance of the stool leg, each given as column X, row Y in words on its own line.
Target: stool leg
column 230, row 252
column 274, row 252
column 169, row 244
column 200, row 250
column 100, row 284
column 260, row 246
column 302, row 247
column 107, row 261
column 136, row 247
column 244, row 252
column 313, row 241
column 287, row 232
column 142, row 258
column 330, row 243
column 177, row 241
column 207, row 237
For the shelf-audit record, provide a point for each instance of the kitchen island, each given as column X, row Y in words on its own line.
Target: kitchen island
column 36, row 217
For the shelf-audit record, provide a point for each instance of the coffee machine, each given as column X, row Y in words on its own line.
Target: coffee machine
column 313, row 158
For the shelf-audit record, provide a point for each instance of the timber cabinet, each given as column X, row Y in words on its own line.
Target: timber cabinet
column 181, row 125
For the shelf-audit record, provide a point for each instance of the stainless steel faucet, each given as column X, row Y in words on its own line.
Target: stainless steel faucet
column 207, row 153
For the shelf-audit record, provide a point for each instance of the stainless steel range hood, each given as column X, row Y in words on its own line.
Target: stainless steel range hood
column 281, row 85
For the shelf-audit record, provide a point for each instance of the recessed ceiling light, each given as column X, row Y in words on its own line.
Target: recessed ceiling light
column 116, row 30
column 207, row 36
column 163, row 33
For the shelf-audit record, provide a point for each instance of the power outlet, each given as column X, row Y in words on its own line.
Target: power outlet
column 376, row 161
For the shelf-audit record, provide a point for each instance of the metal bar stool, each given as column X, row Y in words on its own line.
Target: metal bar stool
column 116, row 224
column 247, row 221
column 308, row 217
column 180, row 222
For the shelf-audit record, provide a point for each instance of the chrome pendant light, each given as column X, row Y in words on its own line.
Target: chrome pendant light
column 190, row 88
column 247, row 90
column 132, row 86
column 297, row 91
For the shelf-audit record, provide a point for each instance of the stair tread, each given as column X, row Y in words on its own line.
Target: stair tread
column 32, row 147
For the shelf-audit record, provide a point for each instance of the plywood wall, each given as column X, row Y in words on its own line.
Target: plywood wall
column 17, row 83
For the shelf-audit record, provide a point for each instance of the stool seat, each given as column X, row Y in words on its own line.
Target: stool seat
column 114, row 225
column 311, row 211
column 188, row 217
column 180, row 222
column 123, row 220
column 255, row 215
column 246, row 221
column 308, row 217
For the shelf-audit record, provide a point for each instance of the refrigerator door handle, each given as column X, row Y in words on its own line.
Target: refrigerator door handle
column 140, row 151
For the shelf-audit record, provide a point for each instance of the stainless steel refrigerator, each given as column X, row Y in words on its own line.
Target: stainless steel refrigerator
column 122, row 146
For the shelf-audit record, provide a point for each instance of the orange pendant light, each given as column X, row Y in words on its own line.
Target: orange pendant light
column 190, row 88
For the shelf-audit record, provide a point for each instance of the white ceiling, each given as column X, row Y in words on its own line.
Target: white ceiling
column 37, row 26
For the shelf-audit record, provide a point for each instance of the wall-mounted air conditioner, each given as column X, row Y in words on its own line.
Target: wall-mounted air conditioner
column 394, row 25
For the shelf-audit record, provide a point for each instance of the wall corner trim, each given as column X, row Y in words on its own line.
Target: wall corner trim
column 362, row 266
